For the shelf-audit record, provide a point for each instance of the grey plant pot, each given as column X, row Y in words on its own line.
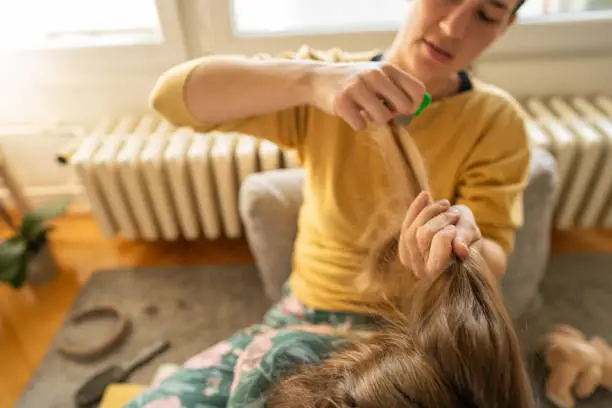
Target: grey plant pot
column 42, row 266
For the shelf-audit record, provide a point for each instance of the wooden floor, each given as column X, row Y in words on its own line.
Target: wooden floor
column 29, row 318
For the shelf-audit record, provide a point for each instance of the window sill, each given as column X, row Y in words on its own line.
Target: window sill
column 562, row 34
column 77, row 64
column 96, row 41
column 585, row 18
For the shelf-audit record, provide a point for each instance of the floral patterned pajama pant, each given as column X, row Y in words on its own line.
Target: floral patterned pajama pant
column 206, row 380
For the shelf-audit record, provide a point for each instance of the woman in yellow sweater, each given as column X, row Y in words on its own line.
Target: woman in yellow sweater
column 323, row 103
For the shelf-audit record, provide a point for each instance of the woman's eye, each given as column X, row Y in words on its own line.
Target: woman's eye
column 483, row 16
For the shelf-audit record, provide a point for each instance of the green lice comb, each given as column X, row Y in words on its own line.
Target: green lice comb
column 404, row 120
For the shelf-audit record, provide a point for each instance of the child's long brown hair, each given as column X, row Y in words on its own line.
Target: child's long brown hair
column 450, row 343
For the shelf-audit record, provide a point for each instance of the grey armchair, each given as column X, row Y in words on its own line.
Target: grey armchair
column 270, row 203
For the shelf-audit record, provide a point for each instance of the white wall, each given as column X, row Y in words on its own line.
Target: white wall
column 85, row 94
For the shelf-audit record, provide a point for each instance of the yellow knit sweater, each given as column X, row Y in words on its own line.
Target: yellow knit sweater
column 475, row 148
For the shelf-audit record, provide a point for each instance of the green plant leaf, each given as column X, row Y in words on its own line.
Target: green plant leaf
column 13, row 262
column 11, row 249
column 33, row 225
column 20, row 272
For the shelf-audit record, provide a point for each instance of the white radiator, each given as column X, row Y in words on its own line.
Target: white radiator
column 148, row 180
column 578, row 132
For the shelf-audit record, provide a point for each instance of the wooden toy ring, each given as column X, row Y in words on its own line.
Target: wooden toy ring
column 114, row 339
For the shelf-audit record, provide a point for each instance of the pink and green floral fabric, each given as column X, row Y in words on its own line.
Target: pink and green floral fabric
column 238, row 372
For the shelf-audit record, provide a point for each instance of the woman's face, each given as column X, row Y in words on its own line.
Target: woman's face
column 442, row 37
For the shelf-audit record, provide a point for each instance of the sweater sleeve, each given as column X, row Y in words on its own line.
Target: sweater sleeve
column 495, row 176
column 285, row 127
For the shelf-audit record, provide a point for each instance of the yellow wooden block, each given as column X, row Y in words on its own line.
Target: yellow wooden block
column 117, row 395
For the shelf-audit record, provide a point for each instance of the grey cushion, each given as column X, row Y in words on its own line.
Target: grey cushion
column 270, row 202
column 527, row 263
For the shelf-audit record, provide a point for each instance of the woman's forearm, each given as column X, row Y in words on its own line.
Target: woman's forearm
column 221, row 89
column 495, row 257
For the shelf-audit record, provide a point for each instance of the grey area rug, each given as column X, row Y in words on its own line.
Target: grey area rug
column 198, row 306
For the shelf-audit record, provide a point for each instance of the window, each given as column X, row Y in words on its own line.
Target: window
column 59, row 40
column 77, row 23
column 266, row 17
column 546, row 27
column 273, row 17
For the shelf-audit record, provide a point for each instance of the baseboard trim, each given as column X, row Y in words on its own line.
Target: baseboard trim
column 42, row 195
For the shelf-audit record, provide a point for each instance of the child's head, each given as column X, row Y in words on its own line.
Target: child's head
column 455, row 347
column 449, row 344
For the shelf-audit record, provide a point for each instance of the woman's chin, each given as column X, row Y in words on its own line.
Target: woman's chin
column 430, row 72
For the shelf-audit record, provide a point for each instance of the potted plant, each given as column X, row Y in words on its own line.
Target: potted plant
column 26, row 256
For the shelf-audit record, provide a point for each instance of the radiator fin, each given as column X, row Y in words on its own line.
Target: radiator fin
column 108, row 177
column 85, row 169
column 222, row 155
column 207, row 199
column 132, row 179
column 155, row 180
column 175, row 160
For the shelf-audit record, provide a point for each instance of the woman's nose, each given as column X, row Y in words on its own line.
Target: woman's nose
column 456, row 23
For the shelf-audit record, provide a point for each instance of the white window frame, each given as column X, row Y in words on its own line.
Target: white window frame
column 64, row 65
column 563, row 34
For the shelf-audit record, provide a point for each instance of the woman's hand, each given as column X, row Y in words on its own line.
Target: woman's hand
column 433, row 232
column 356, row 92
